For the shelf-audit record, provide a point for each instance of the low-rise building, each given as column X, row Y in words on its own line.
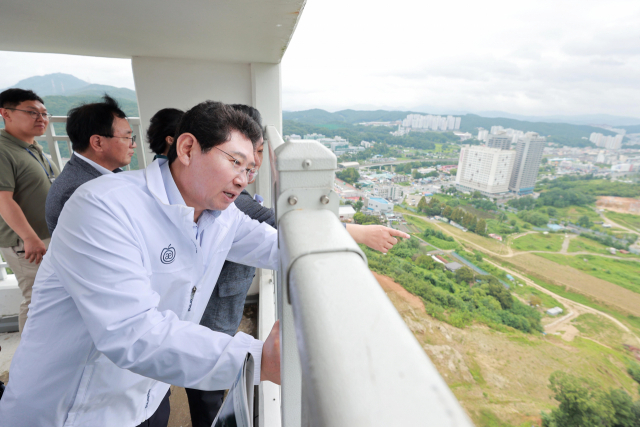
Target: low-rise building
column 377, row 206
column 346, row 212
column 391, row 192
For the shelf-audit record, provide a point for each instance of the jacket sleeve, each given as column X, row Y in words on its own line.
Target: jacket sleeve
column 100, row 263
column 255, row 210
column 254, row 243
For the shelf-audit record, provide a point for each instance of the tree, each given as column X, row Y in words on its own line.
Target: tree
column 349, row 175
column 582, row 403
column 358, row 205
column 552, row 212
column 447, row 211
column 502, row 217
column 422, row 204
column 512, row 222
column 535, row 300
column 584, row 221
column 426, row 262
column 477, row 195
column 481, row 227
column 502, row 294
column 464, row 274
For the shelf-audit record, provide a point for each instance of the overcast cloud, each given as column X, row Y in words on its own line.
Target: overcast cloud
column 547, row 57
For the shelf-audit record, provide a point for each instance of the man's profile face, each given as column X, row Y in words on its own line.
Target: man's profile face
column 215, row 182
column 119, row 149
column 21, row 123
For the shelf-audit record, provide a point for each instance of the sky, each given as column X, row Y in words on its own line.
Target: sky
column 545, row 57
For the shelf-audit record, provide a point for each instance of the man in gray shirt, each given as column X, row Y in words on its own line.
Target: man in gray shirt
column 102, row 141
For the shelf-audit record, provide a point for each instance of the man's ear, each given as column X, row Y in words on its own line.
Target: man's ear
column 185, row 147
column 4, row 114
column 96, row 143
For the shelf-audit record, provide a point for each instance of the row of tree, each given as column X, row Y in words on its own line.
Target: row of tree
column 457, row 214
column 350, row 175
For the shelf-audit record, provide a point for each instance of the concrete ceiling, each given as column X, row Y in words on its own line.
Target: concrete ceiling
column 224, row 30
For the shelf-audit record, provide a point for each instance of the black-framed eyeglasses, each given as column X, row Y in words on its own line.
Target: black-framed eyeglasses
column 132, row 137
column 237, row 165
column 34, row 114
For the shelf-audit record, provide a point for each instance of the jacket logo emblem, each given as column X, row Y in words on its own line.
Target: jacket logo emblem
column 168, row 255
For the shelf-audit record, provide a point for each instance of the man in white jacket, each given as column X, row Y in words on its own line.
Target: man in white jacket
column 132, row 264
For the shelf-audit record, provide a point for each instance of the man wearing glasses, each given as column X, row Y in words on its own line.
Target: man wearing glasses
column 133, row 262
column 102, row 141
column 26, row 175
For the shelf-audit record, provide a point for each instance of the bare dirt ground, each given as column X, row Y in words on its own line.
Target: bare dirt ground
column 619, row 204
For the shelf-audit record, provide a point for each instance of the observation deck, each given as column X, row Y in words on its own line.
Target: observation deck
column 348, row 359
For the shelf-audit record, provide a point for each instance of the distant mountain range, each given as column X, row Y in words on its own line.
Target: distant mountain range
column 67, row 85
column 320, row 117
column 61, row 92
column 562, row 133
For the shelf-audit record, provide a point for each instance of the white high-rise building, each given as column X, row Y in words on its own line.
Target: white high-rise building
column 614, row 142
column 482, row 134
column 527, row 163
column 496, row 129
column 451, row 122
column 600, row 158
column 484, row 169
column 500, row 140
column 457, row 125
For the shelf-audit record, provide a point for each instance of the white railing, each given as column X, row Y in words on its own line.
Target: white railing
column 348, row 359
column 54, row 140
column 3, row 269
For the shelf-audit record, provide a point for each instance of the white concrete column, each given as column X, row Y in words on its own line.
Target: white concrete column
column 182, row 83
column 266, row 97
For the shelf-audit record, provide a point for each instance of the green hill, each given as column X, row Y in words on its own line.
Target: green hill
column 562, row 133
column 60, row 105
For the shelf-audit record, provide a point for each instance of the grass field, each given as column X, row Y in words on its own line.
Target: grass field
column 599, row 328
column 619, row 272
column 539, row 242
column 574, row 280
column 441, row 244
column 626, row 220
column 631, row 321
column 581, row 244
column 526, row 292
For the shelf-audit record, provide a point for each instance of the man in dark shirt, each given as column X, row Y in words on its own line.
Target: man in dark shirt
column 102, row 141
column 26, row 175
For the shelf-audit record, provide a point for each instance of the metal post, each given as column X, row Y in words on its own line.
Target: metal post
column 50, row 135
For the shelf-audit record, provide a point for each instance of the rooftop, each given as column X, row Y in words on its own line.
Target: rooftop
column 379, row 200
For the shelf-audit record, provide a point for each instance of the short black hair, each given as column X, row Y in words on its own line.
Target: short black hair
column 163, row 124
column 250, row 111
column 92, row 119
column 212, row 123
column 11, row 98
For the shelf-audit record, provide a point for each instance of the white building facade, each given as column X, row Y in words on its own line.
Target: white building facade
column 527, row 163
column 484, row 169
